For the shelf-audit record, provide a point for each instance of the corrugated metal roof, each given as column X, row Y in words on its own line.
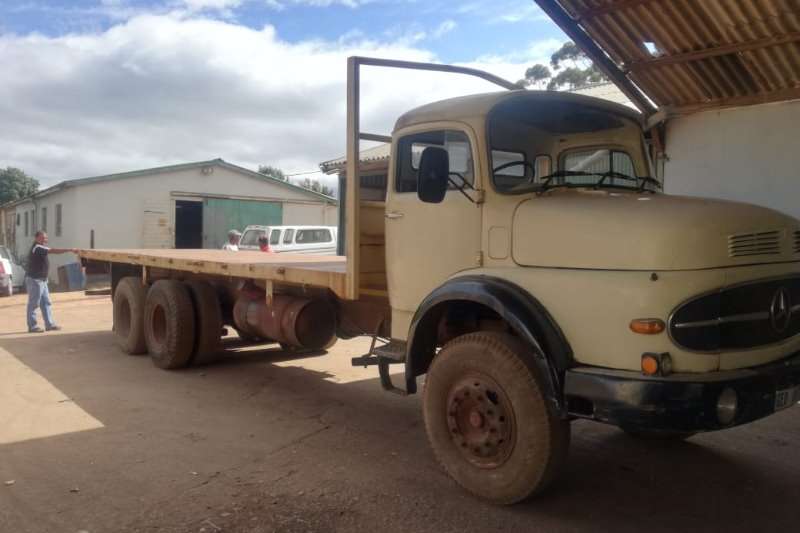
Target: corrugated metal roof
column 170, row 168
column 708, row 53
column 370, row 155
column 606, row 91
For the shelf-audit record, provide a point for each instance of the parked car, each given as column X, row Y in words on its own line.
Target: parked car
column 12, row 275
column 317, row 240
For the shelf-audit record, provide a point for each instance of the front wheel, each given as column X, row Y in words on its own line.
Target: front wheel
column 487, row 419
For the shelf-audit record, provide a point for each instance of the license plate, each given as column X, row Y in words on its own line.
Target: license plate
column 786, row 398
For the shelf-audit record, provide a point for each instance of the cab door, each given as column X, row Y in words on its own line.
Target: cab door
column 426, row 243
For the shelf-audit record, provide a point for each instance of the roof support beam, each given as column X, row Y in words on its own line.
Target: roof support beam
column 792, row 93
column 713, row 52
column 572, row 28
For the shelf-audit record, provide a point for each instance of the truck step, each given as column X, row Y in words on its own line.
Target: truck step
column 393, row 353
column 395, row 350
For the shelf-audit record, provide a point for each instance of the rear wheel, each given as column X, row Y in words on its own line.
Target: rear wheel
column 129, row 302
column 9, row 290
column 487, row 419
column 208, row 320
column 169, row 324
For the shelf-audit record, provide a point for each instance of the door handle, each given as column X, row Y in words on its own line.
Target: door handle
column 391, row 215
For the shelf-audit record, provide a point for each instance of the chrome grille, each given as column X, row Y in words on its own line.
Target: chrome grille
column 760, row 243
column 740, row 317
column 796, row 242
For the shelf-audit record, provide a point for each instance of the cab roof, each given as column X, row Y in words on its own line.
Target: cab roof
column 478, row 106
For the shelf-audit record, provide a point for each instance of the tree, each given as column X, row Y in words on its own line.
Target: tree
column 316, row 186
column 15, row 184
column 536, row 74
column 273, row 172
column 572, row 68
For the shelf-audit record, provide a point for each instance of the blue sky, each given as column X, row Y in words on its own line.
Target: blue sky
column 102, row 86
column 455, row 31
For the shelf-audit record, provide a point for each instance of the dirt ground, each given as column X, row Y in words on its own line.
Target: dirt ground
column 92, row 440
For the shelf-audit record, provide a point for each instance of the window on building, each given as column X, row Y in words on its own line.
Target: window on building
column 18, row 218
column 27, row 225
column 309, row 236
column 598, row 161
column 288, row 235
column 58, row 220
column 44, row 219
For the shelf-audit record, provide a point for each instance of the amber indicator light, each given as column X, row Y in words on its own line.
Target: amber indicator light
column 649, row 365
column 647, row 326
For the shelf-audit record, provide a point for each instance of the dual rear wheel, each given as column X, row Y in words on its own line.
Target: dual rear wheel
column 177, row 323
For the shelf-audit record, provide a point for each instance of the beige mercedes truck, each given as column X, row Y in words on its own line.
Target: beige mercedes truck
column 525, row 268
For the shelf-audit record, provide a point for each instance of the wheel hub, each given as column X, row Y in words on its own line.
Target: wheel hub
column 479, row 421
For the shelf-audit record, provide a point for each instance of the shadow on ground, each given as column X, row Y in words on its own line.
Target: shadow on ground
column 249, row 444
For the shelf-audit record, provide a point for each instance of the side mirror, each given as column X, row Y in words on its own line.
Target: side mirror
column 433, row 174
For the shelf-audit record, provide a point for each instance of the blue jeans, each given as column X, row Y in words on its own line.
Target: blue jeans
column 39, row 296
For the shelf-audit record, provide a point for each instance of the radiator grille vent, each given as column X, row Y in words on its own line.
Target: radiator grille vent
column 761, row 243
column 796, row 242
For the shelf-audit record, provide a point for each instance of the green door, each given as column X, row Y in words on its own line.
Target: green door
column 221, row 215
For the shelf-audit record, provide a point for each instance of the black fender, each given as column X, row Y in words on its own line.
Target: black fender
column 529, row 320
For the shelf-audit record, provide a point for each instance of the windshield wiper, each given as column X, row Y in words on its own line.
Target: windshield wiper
column 641, row 181
column 649, row 179
column 464, row 184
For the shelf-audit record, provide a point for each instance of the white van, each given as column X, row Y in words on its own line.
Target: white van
column 12, row 275
column 317, row 240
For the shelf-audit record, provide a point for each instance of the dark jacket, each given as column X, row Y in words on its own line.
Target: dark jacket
column 38, row 262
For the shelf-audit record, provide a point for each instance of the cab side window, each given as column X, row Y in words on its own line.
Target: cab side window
column 309, row 236
column 288, row 235
column 409, row 150
column 275, row 237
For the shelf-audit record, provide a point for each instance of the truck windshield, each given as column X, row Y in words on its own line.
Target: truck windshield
column 540, row 143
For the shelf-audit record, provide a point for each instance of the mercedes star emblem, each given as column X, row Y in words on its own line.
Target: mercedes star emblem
column 780, row 310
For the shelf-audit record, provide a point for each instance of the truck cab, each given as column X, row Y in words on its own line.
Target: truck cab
column 534, row 266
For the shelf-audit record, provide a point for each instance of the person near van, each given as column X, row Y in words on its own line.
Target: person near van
column 263, row 244
column 36, row 282
column 233, row 241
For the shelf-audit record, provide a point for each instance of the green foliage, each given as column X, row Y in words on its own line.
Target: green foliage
column 536, row 75
column 569, row 51
column 273, row 172
column 15, row 184
column 573, row 69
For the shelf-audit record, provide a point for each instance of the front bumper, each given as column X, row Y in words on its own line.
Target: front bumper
column 681, row 402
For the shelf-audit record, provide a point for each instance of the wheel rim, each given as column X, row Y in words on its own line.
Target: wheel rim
column 480, row 421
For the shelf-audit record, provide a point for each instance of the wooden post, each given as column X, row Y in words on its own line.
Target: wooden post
column 353, row 179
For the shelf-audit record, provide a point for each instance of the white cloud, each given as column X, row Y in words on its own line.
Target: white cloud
column 164, row 89
column 198, row 5
column 445, row 27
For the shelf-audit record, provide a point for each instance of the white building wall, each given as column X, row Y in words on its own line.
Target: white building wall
column 749, row 154
column 139, row 211
column 115, row 209
column 309, row 214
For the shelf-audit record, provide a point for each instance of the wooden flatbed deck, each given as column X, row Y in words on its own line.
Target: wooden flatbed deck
column 328, row 271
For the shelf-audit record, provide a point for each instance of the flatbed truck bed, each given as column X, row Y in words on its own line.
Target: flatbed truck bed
column 320, row 271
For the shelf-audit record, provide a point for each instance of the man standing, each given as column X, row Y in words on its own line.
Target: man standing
column 233, row 241
column 36, row 283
